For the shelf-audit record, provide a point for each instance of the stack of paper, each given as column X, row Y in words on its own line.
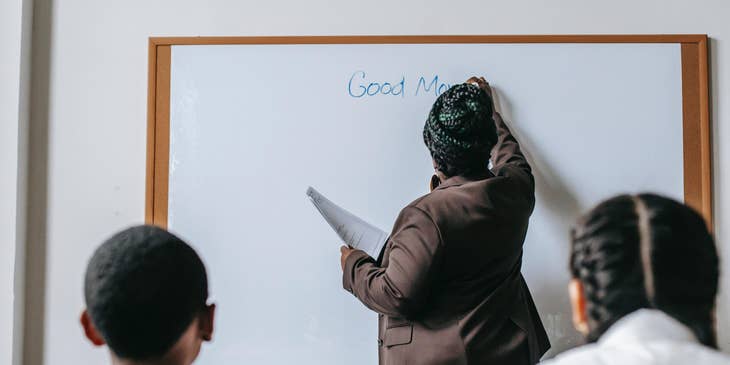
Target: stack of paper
column 352, row 230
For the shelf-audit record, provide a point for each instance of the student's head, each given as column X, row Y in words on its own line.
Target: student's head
column 146, row 293
column 645, row 251
column 460, row 131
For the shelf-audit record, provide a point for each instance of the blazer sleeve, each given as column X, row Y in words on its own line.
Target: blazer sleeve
column 401, row 288
column 507, row 157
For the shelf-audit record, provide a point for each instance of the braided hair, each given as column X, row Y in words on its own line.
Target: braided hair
column 460, row 131
column 646, row 251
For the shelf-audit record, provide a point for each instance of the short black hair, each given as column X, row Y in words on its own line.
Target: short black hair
column 646, row 251
column 144, row 286
column 460, row 131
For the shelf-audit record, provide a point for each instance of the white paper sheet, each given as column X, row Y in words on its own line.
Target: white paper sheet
column 352, row 229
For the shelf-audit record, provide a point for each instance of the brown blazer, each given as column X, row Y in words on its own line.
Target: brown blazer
column 449, row 289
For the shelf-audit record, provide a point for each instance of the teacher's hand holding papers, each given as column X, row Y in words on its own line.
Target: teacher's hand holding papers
column 345, row 251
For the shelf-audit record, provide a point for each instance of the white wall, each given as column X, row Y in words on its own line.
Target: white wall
column 14, row 77
column 10, row 21
column 97, row 101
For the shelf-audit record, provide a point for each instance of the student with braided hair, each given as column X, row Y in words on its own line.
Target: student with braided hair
column 448, row 286
column 645, row 276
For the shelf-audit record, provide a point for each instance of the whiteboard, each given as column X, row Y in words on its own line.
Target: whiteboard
column 251, row 126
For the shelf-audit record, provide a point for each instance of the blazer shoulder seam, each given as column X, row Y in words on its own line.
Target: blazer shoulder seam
column 432, row 221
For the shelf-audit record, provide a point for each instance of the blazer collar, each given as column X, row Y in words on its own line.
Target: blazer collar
column 460, row 180
column 646, row 325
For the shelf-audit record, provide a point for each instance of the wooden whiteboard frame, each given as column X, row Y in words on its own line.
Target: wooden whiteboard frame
column 695, row 101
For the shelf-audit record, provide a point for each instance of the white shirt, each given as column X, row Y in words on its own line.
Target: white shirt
column 645, row 337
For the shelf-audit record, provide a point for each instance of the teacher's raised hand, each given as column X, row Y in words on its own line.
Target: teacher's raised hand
column 482, row 83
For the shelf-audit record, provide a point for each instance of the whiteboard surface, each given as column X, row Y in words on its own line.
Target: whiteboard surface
column 253, row 125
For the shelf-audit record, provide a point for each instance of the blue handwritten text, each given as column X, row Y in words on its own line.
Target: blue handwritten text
column 359, row 87
column 436, row 87
column 362, row 85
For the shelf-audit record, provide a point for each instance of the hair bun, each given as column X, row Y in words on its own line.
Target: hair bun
column 460, row 131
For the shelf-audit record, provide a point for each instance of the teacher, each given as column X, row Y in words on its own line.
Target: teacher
column 449, row 288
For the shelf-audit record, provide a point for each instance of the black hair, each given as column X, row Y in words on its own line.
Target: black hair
column 646, row 251
column 460, row 131
column 144, row 287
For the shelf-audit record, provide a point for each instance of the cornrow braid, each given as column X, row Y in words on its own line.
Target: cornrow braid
column 685, row 265
column 645, row 251
column 604, row 257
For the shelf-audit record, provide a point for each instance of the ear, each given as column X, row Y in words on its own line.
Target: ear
column 206, row 323
column 578, row 302
column 90, row 330
column 435, row 182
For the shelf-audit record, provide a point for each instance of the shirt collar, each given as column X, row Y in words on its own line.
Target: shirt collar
column 460, row 180
column 646, row 325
